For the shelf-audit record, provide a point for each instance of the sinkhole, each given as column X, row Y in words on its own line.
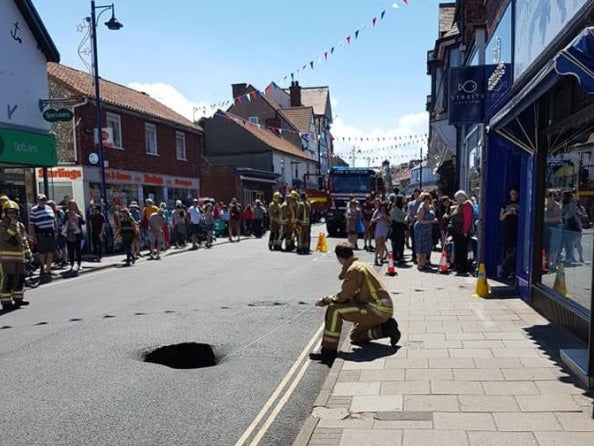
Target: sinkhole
column 188, row 355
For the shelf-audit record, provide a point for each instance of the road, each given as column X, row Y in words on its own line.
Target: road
column 72, row 369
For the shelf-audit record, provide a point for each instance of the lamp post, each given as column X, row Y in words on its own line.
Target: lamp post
column 113, row 25
column 421, row 171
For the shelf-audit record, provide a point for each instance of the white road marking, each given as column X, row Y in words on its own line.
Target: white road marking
column 269, row 404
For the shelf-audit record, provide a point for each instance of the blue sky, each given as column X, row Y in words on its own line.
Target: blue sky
column 189, row 52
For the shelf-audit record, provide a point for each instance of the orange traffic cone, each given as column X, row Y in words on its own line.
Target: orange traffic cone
column 391, row 271
column 443, row 262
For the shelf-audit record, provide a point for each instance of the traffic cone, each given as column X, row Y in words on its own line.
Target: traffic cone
column 391, row 271
column 443, row 262
column 482, row 287
column 559, row 285
column 322, row 245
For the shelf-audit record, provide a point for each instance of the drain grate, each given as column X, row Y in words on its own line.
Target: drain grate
column 188, row 355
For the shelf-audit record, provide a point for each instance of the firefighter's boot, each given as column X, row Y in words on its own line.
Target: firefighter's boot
column 390, row 330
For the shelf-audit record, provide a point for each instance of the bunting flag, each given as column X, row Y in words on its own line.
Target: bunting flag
column 357, row 34
column 311, row 64
column 382, row 15
column 326, row 55
column 348, row 39
column 374, row 20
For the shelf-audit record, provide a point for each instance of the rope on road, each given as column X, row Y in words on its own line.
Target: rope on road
column 268, row 333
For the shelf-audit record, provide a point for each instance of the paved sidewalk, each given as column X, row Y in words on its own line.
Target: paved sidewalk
column 470, row 371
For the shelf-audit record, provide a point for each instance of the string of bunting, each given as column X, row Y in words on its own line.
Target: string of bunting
column 405, row 140
column 248, row 97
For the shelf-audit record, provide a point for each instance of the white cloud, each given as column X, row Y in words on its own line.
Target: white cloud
column 374, row 146
column 172, row 98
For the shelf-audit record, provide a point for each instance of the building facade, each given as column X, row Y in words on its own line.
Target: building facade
column 150, row 150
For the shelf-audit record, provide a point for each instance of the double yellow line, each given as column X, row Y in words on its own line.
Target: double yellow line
column 274, row 405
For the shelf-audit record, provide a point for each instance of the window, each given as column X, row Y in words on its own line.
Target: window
column 180, row 146
column 150, row 136
column 115, row 122
column 254, row 120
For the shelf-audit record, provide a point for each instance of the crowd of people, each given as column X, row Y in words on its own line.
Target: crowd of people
column 425, row 222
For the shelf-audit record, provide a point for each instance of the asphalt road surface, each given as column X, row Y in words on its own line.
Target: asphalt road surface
column 71, row 362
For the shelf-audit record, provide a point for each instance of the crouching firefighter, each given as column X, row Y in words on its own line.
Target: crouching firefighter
column 14, row 249
column 363, row 300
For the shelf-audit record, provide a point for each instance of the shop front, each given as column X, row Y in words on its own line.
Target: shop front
column 83, row 184
column 543, row 139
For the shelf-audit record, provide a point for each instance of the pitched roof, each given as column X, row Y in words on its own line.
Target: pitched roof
column 116, row 94
column 38, row 29
column 300, row 117
column 266, row 136
column 316, row 97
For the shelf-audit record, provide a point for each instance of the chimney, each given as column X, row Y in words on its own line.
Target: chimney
column 295, row 91
column 238, row 89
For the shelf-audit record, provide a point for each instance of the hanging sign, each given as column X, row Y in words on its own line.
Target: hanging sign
column 63, row 115
column 466, row 95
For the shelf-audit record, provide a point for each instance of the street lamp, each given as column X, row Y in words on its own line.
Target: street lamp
column 113, row 25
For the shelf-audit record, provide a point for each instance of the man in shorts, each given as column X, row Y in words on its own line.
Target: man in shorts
column 43, row 229
column 155, row 233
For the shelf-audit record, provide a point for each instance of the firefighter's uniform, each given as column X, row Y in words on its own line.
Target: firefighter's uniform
column 363, row 300
column 288, row 220
column 274, row 212
column 304, row 224
column 14, row 249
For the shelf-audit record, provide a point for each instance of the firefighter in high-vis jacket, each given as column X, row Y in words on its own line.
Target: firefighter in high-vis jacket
column 274, row 212
column 14, row 250
column 288, row 220
column 363, row 300
column 304, row 224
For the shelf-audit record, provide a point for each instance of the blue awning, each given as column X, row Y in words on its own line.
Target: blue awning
column 578, row 60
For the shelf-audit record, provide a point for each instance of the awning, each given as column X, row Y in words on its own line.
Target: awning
column 578, row 60
column 442, row 144
column 257, row 180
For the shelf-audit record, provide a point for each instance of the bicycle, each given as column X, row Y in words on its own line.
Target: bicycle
column 33, row 271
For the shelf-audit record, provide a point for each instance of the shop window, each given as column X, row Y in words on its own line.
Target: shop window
column 150, row 136
column 567, row 228
column 180, row 146
column 114, row 121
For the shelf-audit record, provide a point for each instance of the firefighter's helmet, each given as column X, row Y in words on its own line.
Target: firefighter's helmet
column 276, row 196
column 10, row 205
column 294, row 195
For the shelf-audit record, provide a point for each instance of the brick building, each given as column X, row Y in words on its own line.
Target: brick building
column 150, row 150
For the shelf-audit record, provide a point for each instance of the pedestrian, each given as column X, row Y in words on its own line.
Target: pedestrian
column 363, row 300
column 423, row 231
column 509, row 216
column 571, row 226
column 166, row 225
column 552, row 232
column 225, row 218
column 149, row 209
column 353, row 216
column 462, row 223
column 43, row 232
column 155, row 234
column 258, row 221
column 194, row 217
column 413, row 209
column 73, row 223
column 61, row 253
column 248, row 220
column 367, row 211
column 274, row 210
column 97, row 221
column 128, row 231
column 180, row 227
column 134, row 211
column 14, row 250
column 398, row 228
column 234, row 220
column 209, row 223
column 381, row 222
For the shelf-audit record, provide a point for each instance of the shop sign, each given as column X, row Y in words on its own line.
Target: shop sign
column 153, row 179
column 52, row 115
column 27, row 148
column 537, row 23
column 118, row 176
column 182, row 183
column 61, row 173
column 466, row 95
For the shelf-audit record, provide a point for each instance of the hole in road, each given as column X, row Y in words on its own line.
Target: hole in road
column 188, row 355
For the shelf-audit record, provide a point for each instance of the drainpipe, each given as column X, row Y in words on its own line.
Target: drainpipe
column 481, row 42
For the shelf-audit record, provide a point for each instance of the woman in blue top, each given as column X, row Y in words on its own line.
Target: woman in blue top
column 381, row 219
column 423, row 231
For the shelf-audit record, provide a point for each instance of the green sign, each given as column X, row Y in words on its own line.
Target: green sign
column 52, row 115
column 27, row 148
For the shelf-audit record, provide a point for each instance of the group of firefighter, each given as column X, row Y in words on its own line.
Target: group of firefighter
column 290, row 223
